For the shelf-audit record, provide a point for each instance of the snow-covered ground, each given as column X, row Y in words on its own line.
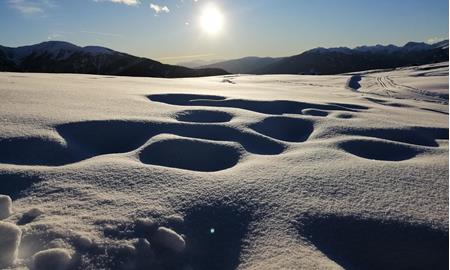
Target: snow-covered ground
column 248, row 172
column 426, row 83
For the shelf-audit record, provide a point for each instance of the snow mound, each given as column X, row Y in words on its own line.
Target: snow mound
column 315, row 112
column 10, row 235
column 5, row 206
column 388, row 103
column 168, row 238
column 55, row 259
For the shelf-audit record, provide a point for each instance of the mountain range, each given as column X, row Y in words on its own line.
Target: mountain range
column 199, row 62
column 64, row 57
column 340, row 60
column 247, row 65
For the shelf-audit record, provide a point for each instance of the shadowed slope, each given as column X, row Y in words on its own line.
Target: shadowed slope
column 203, row 116
column 15, row 184
column 189, row 154
column 215, row 234
column 93, row 138
column 413, row 135
column 33, row 151
column 285, row 128
column 379, row 150
column 261, row 106
column 376, row 244
column 353, row 82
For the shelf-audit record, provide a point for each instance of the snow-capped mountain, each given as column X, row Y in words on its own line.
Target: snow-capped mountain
column 64, row 57
column 408, row 47
column 377, row 48
column 341, row 59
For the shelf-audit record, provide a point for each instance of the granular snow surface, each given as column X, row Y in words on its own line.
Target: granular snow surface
column 265, row 172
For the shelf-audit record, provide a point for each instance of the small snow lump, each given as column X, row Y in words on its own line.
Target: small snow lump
column 5, row 206
column 10, row 235
column 168, row 238
column 55, row 258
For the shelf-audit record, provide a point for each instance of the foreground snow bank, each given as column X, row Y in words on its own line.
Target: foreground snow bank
column 271, row 172
column 55, row 258
column 10, row 236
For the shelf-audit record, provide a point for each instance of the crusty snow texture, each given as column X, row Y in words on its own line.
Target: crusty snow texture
column 5, row 206
column 168, row 239
column 230, row 172
column 55, row 258
column 10, row 235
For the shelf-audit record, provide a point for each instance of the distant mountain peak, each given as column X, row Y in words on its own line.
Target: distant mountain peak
column 65, row 57
column 60, row 49
column 377, row 48
column 333, row 49
column 417, row 46
column 342, row 59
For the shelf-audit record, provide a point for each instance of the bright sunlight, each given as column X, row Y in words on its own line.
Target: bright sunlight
column 211, row 19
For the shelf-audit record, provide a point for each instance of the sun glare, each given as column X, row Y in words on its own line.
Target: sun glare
column 211, row 19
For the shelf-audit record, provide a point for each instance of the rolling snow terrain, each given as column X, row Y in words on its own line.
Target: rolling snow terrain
column 228, row 172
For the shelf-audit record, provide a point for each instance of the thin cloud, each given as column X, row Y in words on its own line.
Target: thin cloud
column 30, row 7
column 159, row 9
column 126, row 2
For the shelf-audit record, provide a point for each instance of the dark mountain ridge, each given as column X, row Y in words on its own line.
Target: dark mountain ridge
column 248, row 65
column 341, row 59
column 64, row 57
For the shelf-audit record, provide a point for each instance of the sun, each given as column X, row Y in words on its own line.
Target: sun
column 211, row 19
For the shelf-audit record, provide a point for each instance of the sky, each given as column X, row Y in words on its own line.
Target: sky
column 176, row 31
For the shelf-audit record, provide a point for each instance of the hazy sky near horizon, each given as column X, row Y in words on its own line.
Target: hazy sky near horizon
column 172, row 31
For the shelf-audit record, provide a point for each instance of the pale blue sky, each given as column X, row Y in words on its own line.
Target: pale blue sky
column 251, row 27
